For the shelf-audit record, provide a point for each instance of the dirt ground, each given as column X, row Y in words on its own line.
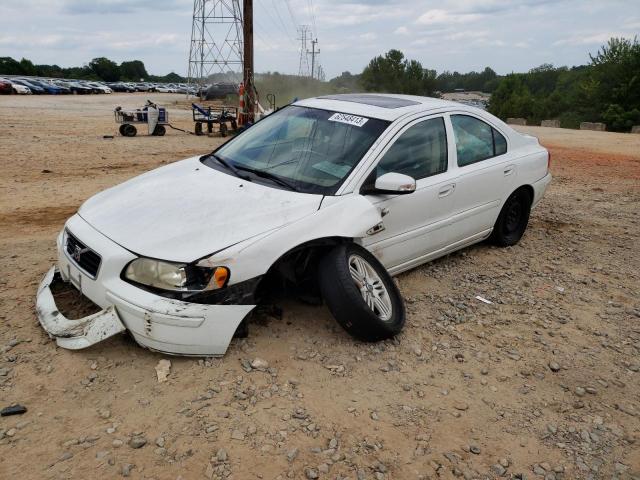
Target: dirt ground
column 542, row 383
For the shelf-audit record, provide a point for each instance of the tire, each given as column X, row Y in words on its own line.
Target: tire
column 198, row 128
column 159, row 131
column 513, row 219
column 338, row 272
column 121, row 130
column 223, row 129
column 129, row 130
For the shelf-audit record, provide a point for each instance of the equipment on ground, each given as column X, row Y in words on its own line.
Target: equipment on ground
column 214, row 115
column 154, row 116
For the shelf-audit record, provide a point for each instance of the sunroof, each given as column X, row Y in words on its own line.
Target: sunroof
column 373, row 100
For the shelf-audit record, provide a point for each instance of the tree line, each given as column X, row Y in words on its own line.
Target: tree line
column 392, row 72
column 99, row 68
column 606, row 90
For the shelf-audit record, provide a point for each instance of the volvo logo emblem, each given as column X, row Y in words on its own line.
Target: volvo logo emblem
column 77, row 252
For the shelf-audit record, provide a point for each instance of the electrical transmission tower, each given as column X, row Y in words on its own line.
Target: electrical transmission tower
column 304, row 33
column 216, row 40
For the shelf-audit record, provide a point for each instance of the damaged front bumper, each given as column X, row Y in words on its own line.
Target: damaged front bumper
column 164, row 325
column 73, row 334
column 159, row 323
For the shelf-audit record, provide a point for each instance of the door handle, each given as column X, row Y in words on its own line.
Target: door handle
column 508, row 170
column 446, row 190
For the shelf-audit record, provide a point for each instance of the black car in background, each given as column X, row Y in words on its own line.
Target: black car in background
column 221, row 90
column 78, row 88
column 120, row 87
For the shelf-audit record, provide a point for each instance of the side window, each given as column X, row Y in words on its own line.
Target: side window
column 421, row 151
column 476, row 140
column 499, row 143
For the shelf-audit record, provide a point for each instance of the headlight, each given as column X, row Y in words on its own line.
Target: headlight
column 178, row 277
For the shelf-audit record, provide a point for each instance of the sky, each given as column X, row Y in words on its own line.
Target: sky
column 460, row 35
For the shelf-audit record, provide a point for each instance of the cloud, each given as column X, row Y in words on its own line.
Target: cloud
column 501, row 6
column 367, row 37
column 401, row 31
column 588, row 39
column 351, row 14
column 445, row 17
column 85, row 7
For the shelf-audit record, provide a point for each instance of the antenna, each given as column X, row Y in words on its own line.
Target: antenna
column 216, row 41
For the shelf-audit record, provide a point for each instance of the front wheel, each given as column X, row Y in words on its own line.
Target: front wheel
column 361, row 294
column 513, row 219
column 159, row 131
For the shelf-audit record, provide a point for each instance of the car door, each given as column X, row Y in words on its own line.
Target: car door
column 485, row 172
column 417, row 224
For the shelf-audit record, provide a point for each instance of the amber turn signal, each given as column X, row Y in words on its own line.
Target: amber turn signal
column 221, row 276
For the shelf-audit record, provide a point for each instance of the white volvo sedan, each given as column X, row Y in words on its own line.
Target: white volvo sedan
column 326, row 198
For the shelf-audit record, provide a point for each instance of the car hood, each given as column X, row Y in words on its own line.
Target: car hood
column 186, row 210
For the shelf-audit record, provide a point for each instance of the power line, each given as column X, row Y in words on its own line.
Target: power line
column 293, row 17
column 275, row 8
column 312, row 14
column 278, row 27
column 263, row 39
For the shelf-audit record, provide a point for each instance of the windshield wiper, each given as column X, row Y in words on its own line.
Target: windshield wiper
column 228, row 166
column 270, row 176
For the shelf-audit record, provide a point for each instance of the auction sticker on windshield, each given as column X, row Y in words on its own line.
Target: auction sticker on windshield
column 348, row 119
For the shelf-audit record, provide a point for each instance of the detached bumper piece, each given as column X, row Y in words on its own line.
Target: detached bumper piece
column 73, row 334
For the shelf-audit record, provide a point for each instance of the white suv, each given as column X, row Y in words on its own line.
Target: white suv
column 327, row 196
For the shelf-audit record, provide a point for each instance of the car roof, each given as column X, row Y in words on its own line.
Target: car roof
column 385, row 106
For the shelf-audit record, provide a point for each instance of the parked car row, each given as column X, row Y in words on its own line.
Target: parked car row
column 152, row 87
column 60, row 86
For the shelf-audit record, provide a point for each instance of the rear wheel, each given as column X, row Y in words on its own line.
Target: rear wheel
column 513, row 219
column 223, row 129
column 159, row 131
column 361, row 294
column 129, row 130
column 198, row 128
column 121, row 130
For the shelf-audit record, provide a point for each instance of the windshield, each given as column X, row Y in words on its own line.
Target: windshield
column 312, row 150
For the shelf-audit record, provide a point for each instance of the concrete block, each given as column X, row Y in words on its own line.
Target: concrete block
column 635, row 129
column 550, row 123
column 517, row 121
column 597, row 126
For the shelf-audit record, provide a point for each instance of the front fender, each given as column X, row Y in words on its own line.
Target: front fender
column 349, row 216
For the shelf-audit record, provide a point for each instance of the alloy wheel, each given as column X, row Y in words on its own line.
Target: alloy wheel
column 371, row 287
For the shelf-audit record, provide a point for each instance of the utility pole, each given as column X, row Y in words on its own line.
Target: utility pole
column 249, row 88
column 313, row 53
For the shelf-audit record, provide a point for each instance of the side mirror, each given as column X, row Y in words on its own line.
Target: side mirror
column 394, row 183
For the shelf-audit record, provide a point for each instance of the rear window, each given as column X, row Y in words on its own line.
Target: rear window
column 476, row 140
